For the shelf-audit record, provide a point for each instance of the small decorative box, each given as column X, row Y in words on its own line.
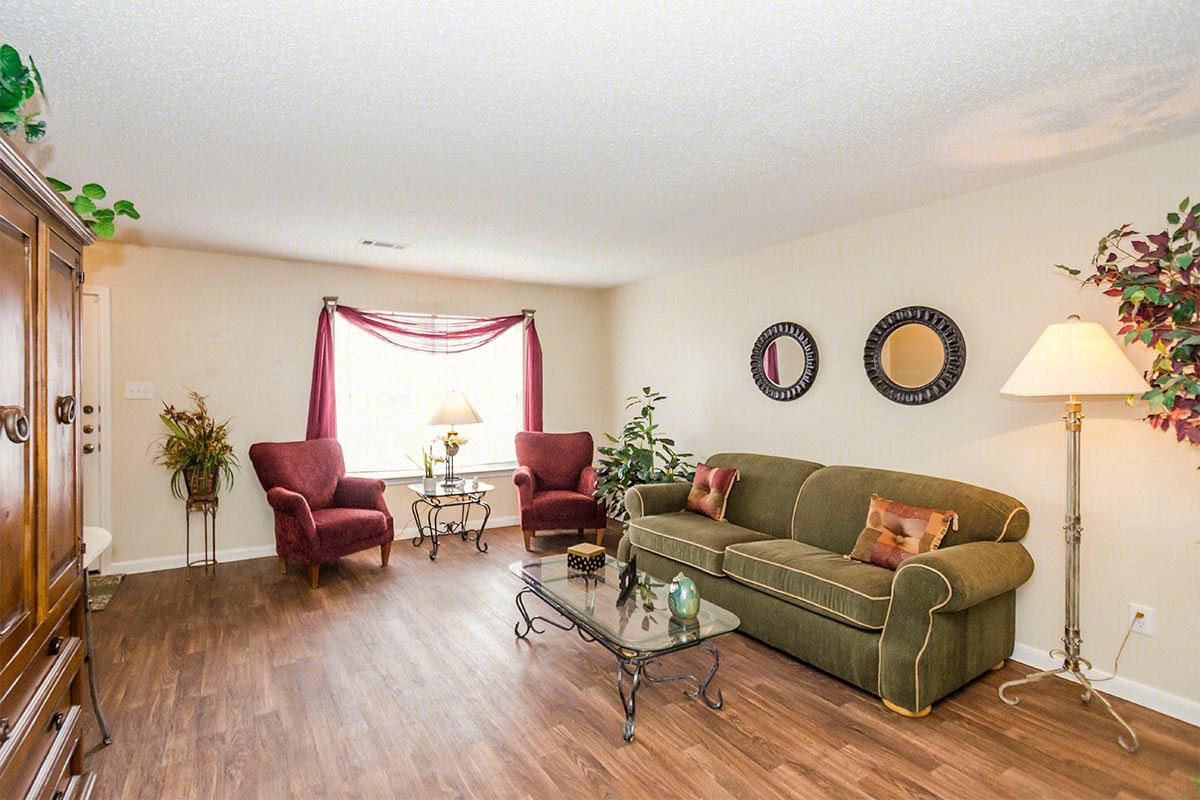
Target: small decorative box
column 585, row 557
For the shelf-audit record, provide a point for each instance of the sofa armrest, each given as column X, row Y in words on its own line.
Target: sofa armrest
column 961, row 576
column 361, row 493
column 292, row 504
column 526, row 483
column 929, row 645
column 649, row 499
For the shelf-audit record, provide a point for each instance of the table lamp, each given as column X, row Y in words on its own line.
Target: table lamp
column 1071, row 359
column 455, row 409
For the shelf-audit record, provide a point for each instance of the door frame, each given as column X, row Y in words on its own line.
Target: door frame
column 103, row 297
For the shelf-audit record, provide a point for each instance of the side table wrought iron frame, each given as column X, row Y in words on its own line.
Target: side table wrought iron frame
column 433, row 527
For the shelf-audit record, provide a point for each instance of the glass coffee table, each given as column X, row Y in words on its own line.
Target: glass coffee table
column 638, row 632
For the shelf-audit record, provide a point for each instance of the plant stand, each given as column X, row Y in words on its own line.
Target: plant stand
column 207, row 507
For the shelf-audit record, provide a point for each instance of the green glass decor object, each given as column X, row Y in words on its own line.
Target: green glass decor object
column 683, row 597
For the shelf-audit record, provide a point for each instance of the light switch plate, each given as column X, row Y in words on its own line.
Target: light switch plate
column 139, row 390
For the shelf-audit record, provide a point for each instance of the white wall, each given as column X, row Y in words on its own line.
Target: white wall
column 983, row 258
column 241, row 331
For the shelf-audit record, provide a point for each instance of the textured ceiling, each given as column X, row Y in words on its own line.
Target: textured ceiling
column 587, row 146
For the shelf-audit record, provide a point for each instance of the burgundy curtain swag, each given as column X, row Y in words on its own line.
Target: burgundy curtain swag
column 417, row 332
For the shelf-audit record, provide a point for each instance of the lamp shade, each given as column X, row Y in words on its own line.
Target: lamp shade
column 456, row 409
column 1074, row 358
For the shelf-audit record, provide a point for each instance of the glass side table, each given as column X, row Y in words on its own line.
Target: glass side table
column 457, row 500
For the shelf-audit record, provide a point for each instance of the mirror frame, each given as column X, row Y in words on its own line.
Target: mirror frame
column 953, row 346
column 811, row 361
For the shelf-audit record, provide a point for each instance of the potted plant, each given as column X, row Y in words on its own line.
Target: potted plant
column 196, row 450
column 428, row 460
column 639, row 455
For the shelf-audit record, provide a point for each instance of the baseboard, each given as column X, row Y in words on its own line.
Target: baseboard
column 260, row 551
column 177, row 560
column 1163, row 702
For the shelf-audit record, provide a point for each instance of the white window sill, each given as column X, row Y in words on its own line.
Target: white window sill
column 404, row 477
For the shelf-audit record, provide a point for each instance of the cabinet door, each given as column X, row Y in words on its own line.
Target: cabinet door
column 61, row 543
column 18, row 249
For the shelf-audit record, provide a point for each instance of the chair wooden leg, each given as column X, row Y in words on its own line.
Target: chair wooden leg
column 600, row 536
column 385, row 552
column 579, row 531
column 999, row 665
column 314, row 575
column 528, row 539
column 282, row 565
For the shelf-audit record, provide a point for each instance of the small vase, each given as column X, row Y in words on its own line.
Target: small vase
column 683, row 597
column 429, row 485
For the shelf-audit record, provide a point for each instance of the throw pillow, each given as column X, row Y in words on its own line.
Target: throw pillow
column 896, row 531
column 710, row 490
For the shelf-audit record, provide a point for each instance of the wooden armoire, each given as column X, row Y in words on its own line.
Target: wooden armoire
column 41, row 603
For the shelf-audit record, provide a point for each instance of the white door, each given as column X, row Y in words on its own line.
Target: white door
column 94, row 411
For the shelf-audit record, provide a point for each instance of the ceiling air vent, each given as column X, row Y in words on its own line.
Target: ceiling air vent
column 379, row 243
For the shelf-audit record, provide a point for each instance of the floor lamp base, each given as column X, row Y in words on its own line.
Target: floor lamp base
column 1072, row 669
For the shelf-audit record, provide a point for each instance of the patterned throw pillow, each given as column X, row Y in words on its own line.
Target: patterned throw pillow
column 710, row 490
column 895, row 531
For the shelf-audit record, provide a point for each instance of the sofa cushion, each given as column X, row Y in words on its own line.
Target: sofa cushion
column 340, row 526
column 766, row 491
column 690, row 538
column 829, row 513
column 826, row 583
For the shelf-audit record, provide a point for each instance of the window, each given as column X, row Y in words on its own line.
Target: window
column 386, row 395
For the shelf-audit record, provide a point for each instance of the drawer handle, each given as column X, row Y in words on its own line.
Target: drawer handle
column 16, row 423
column 57, row 721
column 56, row 645
column 64, row 409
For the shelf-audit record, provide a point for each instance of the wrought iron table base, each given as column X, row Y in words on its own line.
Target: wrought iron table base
column 630, row 663
column 433, row 527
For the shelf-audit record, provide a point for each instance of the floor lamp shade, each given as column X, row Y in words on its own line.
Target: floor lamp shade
column 1074, row 358
column 1071, row 359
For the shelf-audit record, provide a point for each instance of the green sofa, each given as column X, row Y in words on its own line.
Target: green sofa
column 911, row 636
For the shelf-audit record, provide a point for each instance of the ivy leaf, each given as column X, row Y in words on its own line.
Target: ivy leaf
column 37, row 77
column 58, row 185
column 10, row 61
column 1183, row 206
column 1173, row 218
column 83, row 205
column 103, row 228
column 103, row 213
column 125, row 208
column 93, row 191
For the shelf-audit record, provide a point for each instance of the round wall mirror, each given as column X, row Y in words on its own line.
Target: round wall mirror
column 783, row 361
column 914, row 355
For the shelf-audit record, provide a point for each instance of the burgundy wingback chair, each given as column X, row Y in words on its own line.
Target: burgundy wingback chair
column 556, row 483
column 320, row 513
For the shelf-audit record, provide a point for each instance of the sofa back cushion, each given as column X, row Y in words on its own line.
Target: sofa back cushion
column 835, row 501
column 765, row 495
column 311, row 468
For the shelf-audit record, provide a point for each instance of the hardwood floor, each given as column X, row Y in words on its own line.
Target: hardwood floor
column 407, row 682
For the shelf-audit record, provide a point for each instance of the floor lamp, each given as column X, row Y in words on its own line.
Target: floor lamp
column 1071, row 359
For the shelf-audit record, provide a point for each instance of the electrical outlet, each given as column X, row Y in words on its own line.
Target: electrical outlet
column 139, row 390
column 1144, row 625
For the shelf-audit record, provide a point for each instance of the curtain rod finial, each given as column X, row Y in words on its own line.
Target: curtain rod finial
column 529, row 312
column 330, row 303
